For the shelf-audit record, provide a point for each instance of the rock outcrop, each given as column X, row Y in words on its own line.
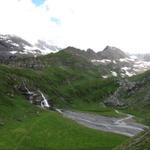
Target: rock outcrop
column 126, row 88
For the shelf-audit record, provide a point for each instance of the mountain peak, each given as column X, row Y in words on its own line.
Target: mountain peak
column 12, row 46
column 112, row 48
column 89, row 50
column 110, row 52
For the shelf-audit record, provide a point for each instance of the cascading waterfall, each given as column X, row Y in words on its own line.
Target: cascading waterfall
column 44, row 102
column 27, row 89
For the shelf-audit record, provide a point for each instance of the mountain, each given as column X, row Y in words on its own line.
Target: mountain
column 12, row 46
column 111, row 53
column 89, row 54
column 113, row 61
column 68, row 79
column 144, row 57
column 46, row 47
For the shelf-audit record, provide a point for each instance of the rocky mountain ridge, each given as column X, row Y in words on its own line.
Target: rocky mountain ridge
column 12, row 46
column 111, row 61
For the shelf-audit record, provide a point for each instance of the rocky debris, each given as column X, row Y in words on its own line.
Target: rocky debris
column 130, row 86
column 114, row 100
column 126, row 88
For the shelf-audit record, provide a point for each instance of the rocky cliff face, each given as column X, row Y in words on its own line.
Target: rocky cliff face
column 125, row 89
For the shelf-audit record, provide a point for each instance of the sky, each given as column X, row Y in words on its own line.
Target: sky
column 80, row 23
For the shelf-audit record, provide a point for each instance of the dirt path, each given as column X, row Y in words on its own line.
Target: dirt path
column 126, row 126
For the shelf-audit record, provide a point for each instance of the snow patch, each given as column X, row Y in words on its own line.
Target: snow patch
column 125, row 68
column 127, row 60
column 133, row 57
column 101, row 60
column 47, row 51
column 126, row 72
column 13, row 52
column 105, row 77
column 15, row 44
column 114, row 62
column 114, row 73
column 129, row 74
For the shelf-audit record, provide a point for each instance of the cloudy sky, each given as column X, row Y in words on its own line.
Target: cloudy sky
column 80, row 23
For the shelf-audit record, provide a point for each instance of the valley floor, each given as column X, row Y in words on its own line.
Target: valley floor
column 125, row 126
column 51, row 131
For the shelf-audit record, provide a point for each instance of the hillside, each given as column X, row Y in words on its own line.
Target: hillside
column 140, row 142
column 24, row 126
column 135, row 97
column 63, row 77
column 66, row 82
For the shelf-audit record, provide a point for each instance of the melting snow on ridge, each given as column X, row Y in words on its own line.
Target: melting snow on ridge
column 114, row 61
column 105, row 77
column 127, row 59
column 114, row 73
column 47, row 51
column 13, row 52
column 34, row 50
column 126, row 71
column 101, row 61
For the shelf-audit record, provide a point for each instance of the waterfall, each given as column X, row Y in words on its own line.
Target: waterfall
column 27, row 89
column 44, row 102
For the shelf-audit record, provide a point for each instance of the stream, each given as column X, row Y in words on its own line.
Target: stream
column 126, row 126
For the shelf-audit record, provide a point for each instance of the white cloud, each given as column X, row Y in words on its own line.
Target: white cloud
column 83, row 23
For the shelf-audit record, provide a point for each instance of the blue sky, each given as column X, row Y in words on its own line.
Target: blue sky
column 38, row 2
column 55, row 20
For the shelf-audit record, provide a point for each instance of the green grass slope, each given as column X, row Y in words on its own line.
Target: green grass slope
column 72, row 85
column 26, row 127
column 140, row 142
column 66, row 79
column 48, row 130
